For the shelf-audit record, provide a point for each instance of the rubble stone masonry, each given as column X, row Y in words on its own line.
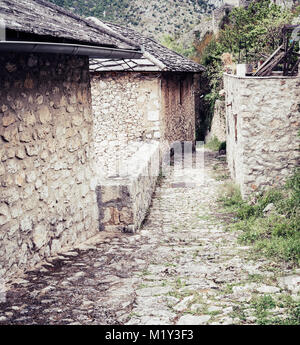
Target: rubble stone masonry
column 218, row 123
column 133, row 107
column 137, row 116
column 262, row 124
column 47, row 198
column 124, row 201
column 127, row 110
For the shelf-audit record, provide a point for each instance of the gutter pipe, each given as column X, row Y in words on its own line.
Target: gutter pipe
column 70, row 49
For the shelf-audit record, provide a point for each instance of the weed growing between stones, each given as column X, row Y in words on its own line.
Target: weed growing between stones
column 256, row 278
column 270, row 221
column 265, row 305
column 222, row 177
column 239, row 312
column 214, row 144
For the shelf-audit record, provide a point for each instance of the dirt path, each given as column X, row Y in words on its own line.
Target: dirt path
column 181, row 268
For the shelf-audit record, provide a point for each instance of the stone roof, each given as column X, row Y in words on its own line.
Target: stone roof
column 159, row 57
column 45, row 19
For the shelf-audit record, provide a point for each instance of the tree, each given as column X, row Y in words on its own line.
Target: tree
column 254, row 31
column 248, row 34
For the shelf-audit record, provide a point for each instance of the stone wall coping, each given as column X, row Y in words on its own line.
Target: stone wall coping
column 139, row 161
column 256, row 78
column 114, row 181
column 136, row 165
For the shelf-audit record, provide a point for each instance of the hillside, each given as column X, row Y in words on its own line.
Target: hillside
column 152, row 17
column 174, row 23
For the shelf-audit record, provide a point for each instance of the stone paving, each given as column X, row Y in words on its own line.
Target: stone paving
column 182, row 268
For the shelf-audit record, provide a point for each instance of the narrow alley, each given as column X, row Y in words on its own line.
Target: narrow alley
column 182, row 268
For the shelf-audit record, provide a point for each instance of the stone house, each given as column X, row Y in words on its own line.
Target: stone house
column 140, row 100
column 141, row 108
column 47, row 185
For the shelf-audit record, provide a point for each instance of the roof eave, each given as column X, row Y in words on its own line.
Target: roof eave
column 70, row 49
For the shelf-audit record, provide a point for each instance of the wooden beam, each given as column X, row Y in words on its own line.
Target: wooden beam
column 295, row 66
column 268, row 60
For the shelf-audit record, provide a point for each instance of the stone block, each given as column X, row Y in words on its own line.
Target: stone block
column 77, row 120
column 26, row 224
column 20, row 153
column 16, row 210
column 4, row 214
column 44, row 114
column 25, row 137
column 8, row 120
column 12, row 166
column 9, row 133
column 32, row 150
column 110, row 193
column 124, row 202
column 39, row 236
column 73, row 144
column 29, row 118
column 153, row 115
column 30, row 176
column 9, row 196
column 70, row 109
column 126, row 216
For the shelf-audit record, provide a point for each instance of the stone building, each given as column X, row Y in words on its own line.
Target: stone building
column 137, row 103
column 147, row 99
column 47, row 177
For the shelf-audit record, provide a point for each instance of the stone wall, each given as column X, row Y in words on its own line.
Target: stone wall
column 218, row 123
column 136, row 118
column 127, row 111
column 133, row 107
column 47, row 198
column 262, row 124
column 123, row 201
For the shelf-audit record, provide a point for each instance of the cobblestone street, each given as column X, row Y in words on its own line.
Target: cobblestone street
column 182, row 268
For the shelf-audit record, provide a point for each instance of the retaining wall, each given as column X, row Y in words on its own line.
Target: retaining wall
column 123, row 201
column 262, row 125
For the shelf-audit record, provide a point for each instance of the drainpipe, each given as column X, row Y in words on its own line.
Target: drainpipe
column 70, row 49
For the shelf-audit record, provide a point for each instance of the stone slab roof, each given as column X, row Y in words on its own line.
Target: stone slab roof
column 159, row 57
column 42, row 18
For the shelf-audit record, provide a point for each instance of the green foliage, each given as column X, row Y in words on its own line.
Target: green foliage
column 263, row 305
column 255, row 30
column 231, row 197
column 213, row 144
column 276, row 234
column 211, row 58
column 108, row 10
column 297, row 11
column 173, row 44
column 222, row 146
column 248, row 34
column 126, row 12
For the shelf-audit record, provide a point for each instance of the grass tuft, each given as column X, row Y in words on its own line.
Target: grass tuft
column 276, row 233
